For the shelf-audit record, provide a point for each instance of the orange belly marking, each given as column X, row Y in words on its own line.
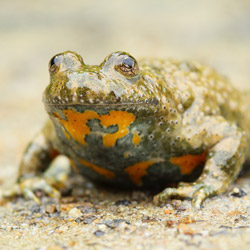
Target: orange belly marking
column 188, row 163
column 102, row 171
column 136, row 139
column 76, row 124
column 120, row 118
column 138, row 170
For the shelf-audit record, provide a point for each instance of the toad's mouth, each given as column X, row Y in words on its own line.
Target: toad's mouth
column 102, row 104
column 58, row 101
column 90, row 98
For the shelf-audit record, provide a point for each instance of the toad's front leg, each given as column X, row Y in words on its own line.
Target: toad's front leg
column 36, row 159
column 226, row 145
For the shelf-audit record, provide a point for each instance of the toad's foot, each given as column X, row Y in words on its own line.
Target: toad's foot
column 54, row 178
column 224, row 159
column 198, row 192
column 27, row 188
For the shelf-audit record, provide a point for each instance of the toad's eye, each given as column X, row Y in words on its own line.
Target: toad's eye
column 126, row 65
column 65, row 61
column 54, row 64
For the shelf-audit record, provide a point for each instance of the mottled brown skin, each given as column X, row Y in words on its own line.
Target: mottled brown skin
column 145, row 124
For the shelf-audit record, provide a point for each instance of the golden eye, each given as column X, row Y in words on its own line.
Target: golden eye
column 127, row 65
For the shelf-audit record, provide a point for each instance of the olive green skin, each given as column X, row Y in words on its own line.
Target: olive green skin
column 179, row 108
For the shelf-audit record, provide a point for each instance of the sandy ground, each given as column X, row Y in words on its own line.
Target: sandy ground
column 31, row 32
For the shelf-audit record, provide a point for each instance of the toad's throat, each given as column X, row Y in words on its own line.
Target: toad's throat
column 76, row 125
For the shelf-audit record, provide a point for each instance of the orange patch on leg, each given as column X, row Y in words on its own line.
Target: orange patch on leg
column 188, row 163
column 102, row 171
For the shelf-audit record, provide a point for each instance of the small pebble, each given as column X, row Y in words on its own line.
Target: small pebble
column 146, row 218
column 227, row 227
column 175, row 203
column 169, row 223
column 181, row 207
column 24, row 225
column 89, row 219
column 35, row 209
column 99, row 233
column 238, row 192
column 167, row 211
column 79, row 220
column 123, row 202
column 185, row 229
column 87, row 209
column 102, row 227
column 186, row 220
column 50, row 209
column 75, row 212
column 113, row 223
column 54, row 248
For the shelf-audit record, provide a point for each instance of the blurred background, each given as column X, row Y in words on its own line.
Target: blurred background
column 214, row 32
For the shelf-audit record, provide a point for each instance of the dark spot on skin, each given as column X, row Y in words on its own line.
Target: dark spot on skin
column 150, row 137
